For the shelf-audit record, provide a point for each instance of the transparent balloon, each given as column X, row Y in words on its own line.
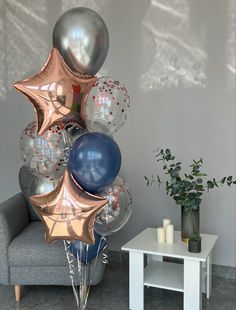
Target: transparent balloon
column 107, row 106
column 44, row 155
column 118, row 210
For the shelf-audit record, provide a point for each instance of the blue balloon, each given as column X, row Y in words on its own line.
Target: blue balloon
column 94, row 161
column 87, row 252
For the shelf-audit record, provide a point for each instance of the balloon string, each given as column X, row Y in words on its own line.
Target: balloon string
column 94, row 267
column 70, row 260
column 83, row 269
column 104, row 258
column 85, row 276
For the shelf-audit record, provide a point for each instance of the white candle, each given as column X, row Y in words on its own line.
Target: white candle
column 160, row 235
column 165, row 223
column 169, row 233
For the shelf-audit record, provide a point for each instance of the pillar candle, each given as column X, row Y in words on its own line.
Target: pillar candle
column 165, row 223
column 169, row 233
column 160, row 235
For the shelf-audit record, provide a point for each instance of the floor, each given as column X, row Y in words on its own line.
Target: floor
column 112, row 294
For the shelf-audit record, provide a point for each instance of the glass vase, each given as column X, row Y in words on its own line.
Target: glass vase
column 190, row 222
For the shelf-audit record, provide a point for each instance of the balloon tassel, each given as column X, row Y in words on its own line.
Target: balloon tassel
column 70, row 260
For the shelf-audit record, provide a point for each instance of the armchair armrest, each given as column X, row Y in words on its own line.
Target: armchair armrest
column 13, row 218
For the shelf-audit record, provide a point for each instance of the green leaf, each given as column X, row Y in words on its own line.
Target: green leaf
column 214, row 181
column 200, row 188
column 223, row 180
column 202, row 174
column 168, row 152
column 230, row 178
column 210, row 184
column 234, row 182
column 199, row 181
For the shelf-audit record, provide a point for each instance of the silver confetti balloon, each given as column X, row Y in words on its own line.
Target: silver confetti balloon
column 82, row 39
column 44, row 155
column 118, row 210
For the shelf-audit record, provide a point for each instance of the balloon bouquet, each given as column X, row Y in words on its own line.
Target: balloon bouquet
column 71, row 157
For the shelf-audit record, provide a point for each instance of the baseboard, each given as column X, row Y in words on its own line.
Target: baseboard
column 224, row 272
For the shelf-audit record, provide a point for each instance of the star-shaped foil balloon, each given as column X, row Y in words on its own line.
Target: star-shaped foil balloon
column 56, row 92
column 68, row 212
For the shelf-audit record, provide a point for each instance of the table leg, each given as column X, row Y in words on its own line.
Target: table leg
column 136, row 274
column 209, row 276
column 192, row 285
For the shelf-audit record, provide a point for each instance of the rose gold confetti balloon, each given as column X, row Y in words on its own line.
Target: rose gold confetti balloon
column 44, row 155
column 106, row 107
column 117, row 211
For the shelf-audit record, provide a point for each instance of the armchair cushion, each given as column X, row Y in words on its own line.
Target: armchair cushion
column 33, row 261
column 30, row 248
column 13, row 218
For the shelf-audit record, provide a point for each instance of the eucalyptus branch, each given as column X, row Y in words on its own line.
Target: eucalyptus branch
column 188, row 189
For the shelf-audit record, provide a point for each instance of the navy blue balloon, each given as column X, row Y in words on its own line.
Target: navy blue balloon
column 87, row 252
column 95, row 161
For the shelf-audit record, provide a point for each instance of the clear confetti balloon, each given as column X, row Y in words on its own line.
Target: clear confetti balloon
column 107, row 106
column 118, row 210
column 44, row 155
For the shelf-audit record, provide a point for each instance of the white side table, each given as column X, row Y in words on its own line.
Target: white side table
column 191, row 278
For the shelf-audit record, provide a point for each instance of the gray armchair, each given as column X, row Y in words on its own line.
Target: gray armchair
column 25, row 257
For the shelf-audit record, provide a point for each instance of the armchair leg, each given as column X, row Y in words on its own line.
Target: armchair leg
column 17, row 292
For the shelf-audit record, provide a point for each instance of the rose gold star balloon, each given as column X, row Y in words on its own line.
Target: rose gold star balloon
column 68, row 212
column 56, row 92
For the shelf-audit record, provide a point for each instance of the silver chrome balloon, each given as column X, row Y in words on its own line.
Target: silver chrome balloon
column 31, row 184
column 82, row 39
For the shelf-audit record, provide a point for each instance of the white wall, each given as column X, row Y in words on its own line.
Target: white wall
column 177, row 59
